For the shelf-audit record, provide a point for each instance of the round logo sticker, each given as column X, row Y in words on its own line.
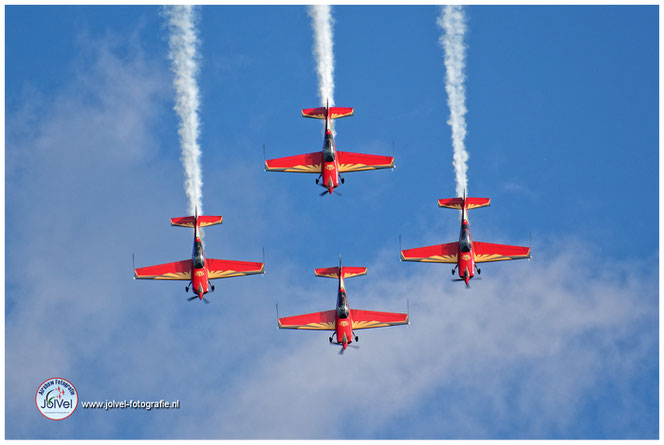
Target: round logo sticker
column 56, row 398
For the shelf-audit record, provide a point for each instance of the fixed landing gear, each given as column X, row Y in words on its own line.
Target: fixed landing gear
column 343, row 180
column 357, row 339
column 330, row 339
column 212, row 287
column 478, row 271
column 317, row 179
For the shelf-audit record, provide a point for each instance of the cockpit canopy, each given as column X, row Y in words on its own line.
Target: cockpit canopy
column 464, row 242
column 198, row 258
column 342, row 311
column 328, row 149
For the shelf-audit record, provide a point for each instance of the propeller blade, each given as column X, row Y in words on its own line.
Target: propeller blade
column 323, row 193
column 192, row 298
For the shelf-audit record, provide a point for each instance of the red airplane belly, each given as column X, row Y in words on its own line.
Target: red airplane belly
column 330, row 174
column 344, row 327
column 199, row 281
column 466, row 262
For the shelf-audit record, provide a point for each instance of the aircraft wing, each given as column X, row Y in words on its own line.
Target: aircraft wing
column 486, row 252
column 228, row 268
column 438, row 253
column 355, row 162
column 179, row 270
column 372, row 319
column 324, row 321
column 307, row 163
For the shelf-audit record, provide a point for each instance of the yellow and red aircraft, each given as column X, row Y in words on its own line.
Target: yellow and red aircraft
column 198, row 270
column 329, row 162
column 466, row 252
column 342, row 320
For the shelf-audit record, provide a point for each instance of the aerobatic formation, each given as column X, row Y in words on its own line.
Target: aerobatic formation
column 328, row 163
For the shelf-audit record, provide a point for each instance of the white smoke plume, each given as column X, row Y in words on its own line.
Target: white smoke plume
column 321, row 24
column 453, row 22
column 183, row 44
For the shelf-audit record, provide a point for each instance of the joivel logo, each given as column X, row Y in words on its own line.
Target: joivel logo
column 56, row 398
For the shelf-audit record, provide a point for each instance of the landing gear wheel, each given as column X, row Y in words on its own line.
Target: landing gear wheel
column 357, row 339
column 212, row 287
column 478, row 271
column 452, row 271
column 343, row 180
column 316, row 180
column 186, row 288
column 330, row 339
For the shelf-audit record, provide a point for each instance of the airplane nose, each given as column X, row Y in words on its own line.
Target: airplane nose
column 329, row 189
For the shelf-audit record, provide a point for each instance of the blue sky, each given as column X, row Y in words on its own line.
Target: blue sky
column 562, row 135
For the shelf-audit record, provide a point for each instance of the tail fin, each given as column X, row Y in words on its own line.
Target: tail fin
column 199, row 221
column 461, row 203
column 325, row 112
column 347, row 272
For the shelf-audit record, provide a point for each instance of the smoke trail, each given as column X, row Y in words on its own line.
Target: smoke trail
column 453, row 22
column 321, row 24
column 183, row 44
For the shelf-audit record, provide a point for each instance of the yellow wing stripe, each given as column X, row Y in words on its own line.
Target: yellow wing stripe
column 485, row 258
column 313, row 168
column 376, row 324
column 166, row 276
column 214, row 274
column 351, row 275
column 328, row 275
column 345, row 168
column 432, row 259
column 313, row 326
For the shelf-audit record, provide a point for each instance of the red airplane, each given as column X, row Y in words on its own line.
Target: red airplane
column 342, row 320
column 465, row 253
column 329, row 163
column 198, row 270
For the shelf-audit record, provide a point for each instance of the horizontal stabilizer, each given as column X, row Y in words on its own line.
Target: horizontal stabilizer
column 457, row 203
column 322, row 112
column 203, row 221
column 347, row 272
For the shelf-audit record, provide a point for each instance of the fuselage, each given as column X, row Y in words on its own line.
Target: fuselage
column 344, row 324
column 199, row 274
column 330, row 166
column 465, row 257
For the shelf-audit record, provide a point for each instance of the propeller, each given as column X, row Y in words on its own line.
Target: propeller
column 341, row 351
